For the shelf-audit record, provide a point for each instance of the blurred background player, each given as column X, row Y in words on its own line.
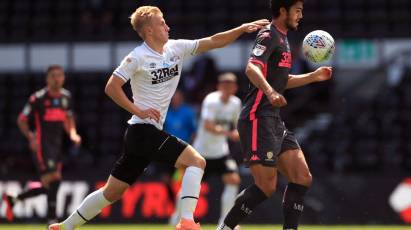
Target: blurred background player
column 219, row 114
column 181, row 118
column 269, row 146
column 50, row 109
column 153, row 69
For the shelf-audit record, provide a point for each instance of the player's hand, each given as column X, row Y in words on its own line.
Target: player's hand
column 254, row 26
column 75, row 138
column 150, row 113
column 276, row 99
column 233, row 135
column 323, row 73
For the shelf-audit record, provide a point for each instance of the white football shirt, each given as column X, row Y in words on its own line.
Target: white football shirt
column 208, row 144
column 154, row 77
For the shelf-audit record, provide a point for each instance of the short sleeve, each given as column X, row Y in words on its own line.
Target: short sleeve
column 127, row 68
column 28, row 108
column 262, row 49
column 208, row 110
column 186, row 48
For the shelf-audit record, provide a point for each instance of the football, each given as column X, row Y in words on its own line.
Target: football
column 318, row 46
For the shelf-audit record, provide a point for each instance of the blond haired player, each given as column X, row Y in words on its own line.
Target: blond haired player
column 154, row 69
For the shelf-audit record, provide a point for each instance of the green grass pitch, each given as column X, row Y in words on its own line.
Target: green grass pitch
column 209, row 227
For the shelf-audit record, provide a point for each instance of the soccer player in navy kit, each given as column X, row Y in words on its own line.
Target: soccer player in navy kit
column 51, row 111
column 153, row 69
column 269, row 146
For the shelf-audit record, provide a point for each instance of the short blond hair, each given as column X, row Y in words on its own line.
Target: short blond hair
column 142, row 15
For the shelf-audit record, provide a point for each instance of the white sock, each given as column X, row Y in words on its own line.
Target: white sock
column 190, row 191
column 227, row 200
column 89, row 208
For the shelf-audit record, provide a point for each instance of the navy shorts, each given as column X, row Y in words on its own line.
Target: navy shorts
column 264, row 139
column 143, row 144
column 48, row 157
column 220, row 166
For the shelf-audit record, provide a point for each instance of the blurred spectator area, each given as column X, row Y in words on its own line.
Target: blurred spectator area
column 102, row 20
column 367, row 134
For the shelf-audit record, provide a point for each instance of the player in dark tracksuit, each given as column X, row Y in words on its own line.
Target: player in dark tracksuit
column 265, row 140
column 50, row 109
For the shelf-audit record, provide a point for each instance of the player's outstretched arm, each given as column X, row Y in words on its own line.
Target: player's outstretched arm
column 255, row 74
column 320, row 74
column 115, row 91
column 224, row 38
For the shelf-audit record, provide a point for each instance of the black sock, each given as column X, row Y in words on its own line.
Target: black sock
column 244, row 205
column 51, row 199
column 31, row 192
column 293, row 205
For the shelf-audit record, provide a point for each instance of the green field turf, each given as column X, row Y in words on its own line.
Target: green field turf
column 209, row 227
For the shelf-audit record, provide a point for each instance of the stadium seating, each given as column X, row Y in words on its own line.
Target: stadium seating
column 368, row 135
column 56, row 20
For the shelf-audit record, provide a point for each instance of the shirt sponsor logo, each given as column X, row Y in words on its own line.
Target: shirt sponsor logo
column 55, row 114
column 163, row 75
column 259, row 50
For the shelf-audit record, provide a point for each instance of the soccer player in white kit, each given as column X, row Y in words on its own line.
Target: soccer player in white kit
column 154, row 69
column 219, row 114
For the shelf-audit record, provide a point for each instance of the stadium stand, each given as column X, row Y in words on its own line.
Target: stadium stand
column 60, row 20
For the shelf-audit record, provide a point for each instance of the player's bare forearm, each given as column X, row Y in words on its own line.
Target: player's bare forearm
column 224, row 38
column 256, row 77
column 71, row 125
column 295, row 81
column 115, row 91
column 219, row 40
column 320, row 74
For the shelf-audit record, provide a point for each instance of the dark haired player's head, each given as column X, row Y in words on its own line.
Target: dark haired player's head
column 288, row 11
column 55, row 77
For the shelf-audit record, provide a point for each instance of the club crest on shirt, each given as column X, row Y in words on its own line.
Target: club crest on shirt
column 152, row 65
column 259, row 50
column 270, row 156
column 174, row 58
